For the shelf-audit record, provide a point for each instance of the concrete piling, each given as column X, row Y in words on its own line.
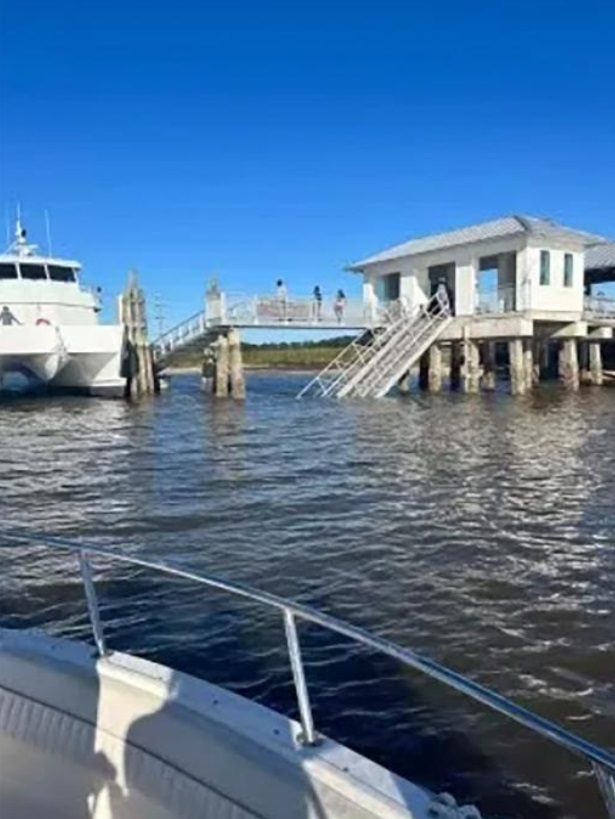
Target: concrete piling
column 424, row 371
column 455, row 365
column 595, row 364
column 537, row 363
column 221, row 377
column 434, row 375
column 585, row 376
column 470, row 372
column 518, row 382
column 237, row 380
column 488, row 381
column 569, row 364
column 528, row 363
column 403, row 385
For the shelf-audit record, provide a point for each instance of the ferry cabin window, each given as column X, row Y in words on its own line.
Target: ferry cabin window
column 8, row 271
column 568, row 269
column 545, row 267
column 32, row 271
column 61, row 274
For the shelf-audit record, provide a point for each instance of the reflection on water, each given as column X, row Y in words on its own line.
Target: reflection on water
column 478, row 530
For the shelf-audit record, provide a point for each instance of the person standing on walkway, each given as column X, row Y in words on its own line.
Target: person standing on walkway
column 282, row 298
column 443, row 295
column 339, row 305
column 317, row 303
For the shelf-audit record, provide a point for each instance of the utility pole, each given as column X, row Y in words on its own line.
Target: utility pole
column 159, row 314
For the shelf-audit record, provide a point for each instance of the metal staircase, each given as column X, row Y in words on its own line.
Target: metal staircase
column 375, row 362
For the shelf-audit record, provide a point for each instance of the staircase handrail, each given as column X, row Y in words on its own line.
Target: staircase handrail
column 392, row 313
column 409, row 320
column 403, row 351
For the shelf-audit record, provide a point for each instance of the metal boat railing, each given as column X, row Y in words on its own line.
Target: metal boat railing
column 601, row 760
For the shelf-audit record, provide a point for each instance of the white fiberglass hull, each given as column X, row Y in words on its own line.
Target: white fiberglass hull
column 74, row 358
column 123, row 738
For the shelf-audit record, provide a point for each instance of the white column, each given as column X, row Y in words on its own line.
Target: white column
column 465, row 287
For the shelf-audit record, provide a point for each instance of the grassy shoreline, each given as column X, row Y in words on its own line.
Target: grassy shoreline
column 295, row 356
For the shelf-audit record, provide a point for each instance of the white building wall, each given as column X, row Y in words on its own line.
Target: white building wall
column 554, row 297
column 530, row 295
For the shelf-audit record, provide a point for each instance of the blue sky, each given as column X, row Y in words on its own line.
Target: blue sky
column 266, row 139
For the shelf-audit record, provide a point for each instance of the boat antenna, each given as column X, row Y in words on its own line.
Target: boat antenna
column 48, row 232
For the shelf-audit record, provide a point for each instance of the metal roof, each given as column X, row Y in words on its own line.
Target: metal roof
column 600, row 256
column 494, row 229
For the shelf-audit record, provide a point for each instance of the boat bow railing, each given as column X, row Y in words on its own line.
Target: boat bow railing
column 601, row 760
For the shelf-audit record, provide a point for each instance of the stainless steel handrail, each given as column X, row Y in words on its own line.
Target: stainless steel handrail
column 602, row 761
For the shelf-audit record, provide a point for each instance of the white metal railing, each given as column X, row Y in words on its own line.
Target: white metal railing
column 496, row 300
column 599, row 307
column 601, row 760
column 267, row 310
column 368, row 368
column 182, row 334
column 411, row 341
column 349, row 360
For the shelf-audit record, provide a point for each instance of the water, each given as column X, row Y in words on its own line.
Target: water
column 477, row 530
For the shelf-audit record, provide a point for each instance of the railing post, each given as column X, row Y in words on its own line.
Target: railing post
column 606, row 780
column 308, row 736
column 92, row 601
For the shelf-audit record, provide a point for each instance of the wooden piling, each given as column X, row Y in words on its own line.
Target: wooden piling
column 137, row 356
column 434, row 376
column 237, row 380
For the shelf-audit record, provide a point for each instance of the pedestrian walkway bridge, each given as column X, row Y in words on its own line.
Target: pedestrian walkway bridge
column 390, row 339
column 241, row 311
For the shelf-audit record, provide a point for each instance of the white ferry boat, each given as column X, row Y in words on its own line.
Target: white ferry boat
column 93, row 732
column 49, row 328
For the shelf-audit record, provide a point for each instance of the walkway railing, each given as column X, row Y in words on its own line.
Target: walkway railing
column 258, row 310
column 599, row 307
column 602, row 762
column 181, row 335
column 244, row 311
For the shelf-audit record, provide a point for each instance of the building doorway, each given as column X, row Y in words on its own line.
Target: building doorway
column 443, row 273
column 389, row 287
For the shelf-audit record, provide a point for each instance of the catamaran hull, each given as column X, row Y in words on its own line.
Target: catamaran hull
column 85, row 360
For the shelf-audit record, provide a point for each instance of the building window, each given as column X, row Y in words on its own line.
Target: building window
column 568, row 268
column 545, row 267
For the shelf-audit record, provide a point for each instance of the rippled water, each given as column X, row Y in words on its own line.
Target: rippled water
column 477, row 530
